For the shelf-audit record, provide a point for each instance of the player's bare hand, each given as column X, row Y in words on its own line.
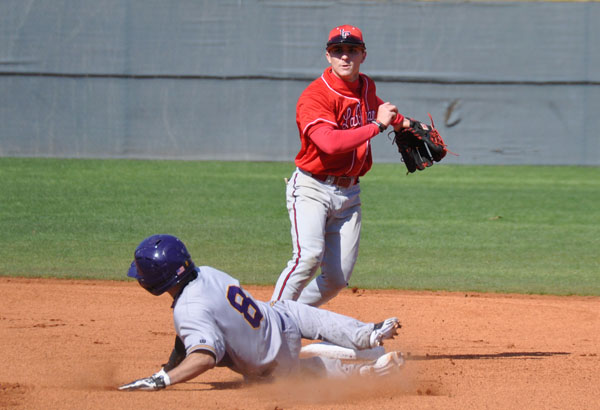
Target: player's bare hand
column 149, row 383
column 386, row 113
column 408, row 123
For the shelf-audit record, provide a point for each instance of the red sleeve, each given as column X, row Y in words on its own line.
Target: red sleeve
column 334, row 141
column 398, row 120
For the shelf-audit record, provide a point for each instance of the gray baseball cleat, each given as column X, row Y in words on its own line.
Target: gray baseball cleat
column 384, row 330
column 387, row 364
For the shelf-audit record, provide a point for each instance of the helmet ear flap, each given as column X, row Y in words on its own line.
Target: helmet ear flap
column 161, row 262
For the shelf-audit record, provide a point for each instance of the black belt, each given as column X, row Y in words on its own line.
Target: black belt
column 341, row 181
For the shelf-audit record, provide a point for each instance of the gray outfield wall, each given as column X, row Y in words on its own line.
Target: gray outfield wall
column 506, row 82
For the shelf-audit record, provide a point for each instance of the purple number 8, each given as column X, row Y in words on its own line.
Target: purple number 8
column 246, row 306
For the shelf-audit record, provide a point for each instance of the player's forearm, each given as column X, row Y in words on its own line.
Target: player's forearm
column 192, row 366
column 333, row 141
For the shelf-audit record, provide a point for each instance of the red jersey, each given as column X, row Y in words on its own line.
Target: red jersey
column 329, row 100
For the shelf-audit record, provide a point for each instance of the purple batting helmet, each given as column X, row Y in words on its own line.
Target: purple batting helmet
column 161, row 262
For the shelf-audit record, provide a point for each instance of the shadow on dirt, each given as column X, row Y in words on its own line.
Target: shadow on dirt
column 481, row 356
column 200, row 386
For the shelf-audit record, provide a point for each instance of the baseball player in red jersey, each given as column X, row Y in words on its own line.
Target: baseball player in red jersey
column 337, row 116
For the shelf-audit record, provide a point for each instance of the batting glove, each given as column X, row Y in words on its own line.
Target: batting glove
column 158, row 381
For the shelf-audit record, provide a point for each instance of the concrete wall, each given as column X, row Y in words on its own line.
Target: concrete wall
column 506, row 82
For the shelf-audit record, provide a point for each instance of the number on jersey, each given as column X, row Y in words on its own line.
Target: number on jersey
column 246, row 306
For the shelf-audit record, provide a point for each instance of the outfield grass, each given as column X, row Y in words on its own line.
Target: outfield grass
column 518, row 229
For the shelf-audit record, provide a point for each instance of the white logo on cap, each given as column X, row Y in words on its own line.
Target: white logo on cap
column 345, row 34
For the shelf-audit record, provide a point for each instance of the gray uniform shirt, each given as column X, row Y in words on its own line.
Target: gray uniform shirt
column 213, row 313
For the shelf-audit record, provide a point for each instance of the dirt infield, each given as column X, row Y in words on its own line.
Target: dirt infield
column 69, row 344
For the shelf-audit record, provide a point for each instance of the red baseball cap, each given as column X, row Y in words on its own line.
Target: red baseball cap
column 345, row 34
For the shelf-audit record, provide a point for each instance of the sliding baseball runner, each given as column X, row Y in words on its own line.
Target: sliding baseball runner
column 219, row 323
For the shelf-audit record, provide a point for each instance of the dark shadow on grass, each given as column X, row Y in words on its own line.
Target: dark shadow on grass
column 483, row 356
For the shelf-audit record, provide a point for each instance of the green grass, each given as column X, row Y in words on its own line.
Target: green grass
column 504, row 229
column 525, row 229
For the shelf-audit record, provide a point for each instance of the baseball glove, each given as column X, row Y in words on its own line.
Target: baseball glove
column 418, row 146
